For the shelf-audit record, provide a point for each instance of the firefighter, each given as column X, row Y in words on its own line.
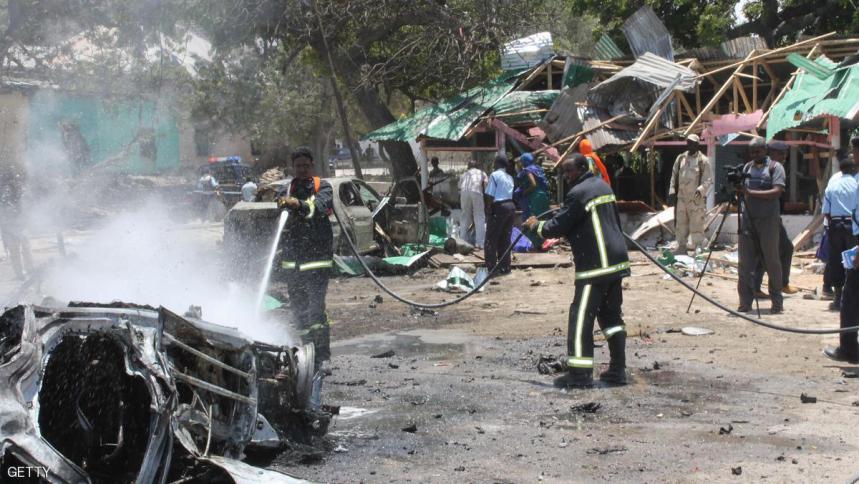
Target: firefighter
column 307, row 251
column 590, row 221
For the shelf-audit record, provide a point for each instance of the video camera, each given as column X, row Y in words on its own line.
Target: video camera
column 735, row 174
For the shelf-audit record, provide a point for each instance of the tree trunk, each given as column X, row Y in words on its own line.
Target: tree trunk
column 403, row 163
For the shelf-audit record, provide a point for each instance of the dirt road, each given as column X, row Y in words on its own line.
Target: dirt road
column 461, row 399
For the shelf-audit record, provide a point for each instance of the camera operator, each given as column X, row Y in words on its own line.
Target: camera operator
column 762, row 186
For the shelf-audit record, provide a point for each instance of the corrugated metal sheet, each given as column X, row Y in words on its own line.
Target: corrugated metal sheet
column 576, row 71
column 617, row 135
column 562, row 120
column 448, row 119
column 634, row 89
column 520, row 101
column 646, row 33
column 740, row 47
column 811, row 98
column 606, row 49
column 737, row 48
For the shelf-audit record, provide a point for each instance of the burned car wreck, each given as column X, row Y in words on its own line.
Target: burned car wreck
column 139, row 394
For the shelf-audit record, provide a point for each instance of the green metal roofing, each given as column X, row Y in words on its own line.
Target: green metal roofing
column 450, row 118
column 521, row 101
column 606, row 49
column 811, row 97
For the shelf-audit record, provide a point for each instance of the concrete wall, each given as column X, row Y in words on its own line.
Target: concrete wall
column 223, row 144
column 14, row 120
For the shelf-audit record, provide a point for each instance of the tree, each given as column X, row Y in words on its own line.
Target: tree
column 783, row 22
column 692, row 23
column 422, row 49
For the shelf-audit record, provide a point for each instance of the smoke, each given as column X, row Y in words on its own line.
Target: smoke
column 143, row 257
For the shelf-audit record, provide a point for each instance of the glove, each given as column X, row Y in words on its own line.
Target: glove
column 672, row 199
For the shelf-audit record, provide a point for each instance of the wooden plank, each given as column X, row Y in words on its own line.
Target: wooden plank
column 755, row 87
column 685, row 103
column 718, row 94
column 743, row 96
column 651, row 123
column 768, row 53
column 785, row 89
column 521, row 138
column 579, row 134
column 808, row 232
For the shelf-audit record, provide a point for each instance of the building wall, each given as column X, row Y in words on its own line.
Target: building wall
column 14, row 114
column 193, row 154
column 73, row 132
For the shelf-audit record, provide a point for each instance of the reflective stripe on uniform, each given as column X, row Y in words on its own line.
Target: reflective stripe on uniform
column 595, row 218
column 613, row 331
column 322, row 264
column 311, row 205
column 540, row 229
column 310, row 329
column 287, row 264
column 580, row 319
column 580, row 362
column 599, row 201
column 602, row 272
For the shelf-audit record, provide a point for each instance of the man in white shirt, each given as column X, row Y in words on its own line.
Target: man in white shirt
column 249, row 190
column 471, row 187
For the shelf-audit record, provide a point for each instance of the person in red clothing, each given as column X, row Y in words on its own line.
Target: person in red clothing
column 587, row 150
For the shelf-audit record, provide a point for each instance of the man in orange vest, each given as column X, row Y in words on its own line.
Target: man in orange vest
column 307, row 251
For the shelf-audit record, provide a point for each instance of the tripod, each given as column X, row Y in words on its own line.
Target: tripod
column 740, row 201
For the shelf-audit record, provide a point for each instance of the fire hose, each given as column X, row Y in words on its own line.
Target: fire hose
column 638, row 246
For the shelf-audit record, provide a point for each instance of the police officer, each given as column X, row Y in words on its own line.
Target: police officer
column 590, row 221
column 838, row 203
column 307, row 251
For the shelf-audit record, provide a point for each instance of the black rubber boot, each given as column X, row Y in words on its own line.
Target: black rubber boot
column 576, row 378
column 835, row 305
column 616, row 373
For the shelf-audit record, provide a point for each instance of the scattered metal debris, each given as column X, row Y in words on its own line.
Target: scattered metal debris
column 386, row 354
column 589, row 407
column 737, row 471
column 726, row 431
column 129, row 393
column 807, row 398
column 412, row 428
column 606, row 450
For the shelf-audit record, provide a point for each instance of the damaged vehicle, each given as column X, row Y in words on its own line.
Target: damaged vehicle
column 374, row 222
column 126, row 393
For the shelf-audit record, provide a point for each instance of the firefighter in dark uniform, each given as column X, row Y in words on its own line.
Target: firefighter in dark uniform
column 307, row 251
column 590, row 221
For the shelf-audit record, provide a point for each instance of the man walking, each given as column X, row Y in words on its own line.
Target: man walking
column 691, row 180
column 761, row 219
column 249, row 190
column 500, row 214
column 590, row 221
column 777, row 151
column 307, row 250
column 471, row 187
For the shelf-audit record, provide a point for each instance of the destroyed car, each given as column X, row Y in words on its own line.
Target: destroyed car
column 373, row 221
column 126, row 393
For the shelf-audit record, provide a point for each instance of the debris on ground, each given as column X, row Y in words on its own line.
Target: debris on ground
column 385, row 354
column 549, row 365
column 411, row 428
column 589, row 407
column 696, row 331
column 606, row 450
column 737, row 471
column 726, row 431
column 807, row 398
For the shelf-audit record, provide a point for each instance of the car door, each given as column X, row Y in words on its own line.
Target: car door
column 406, row 213
column 360, row 217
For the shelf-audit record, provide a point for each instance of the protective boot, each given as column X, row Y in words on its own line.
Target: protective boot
column 616, row 373
column 835, row 305
column 576, row 378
